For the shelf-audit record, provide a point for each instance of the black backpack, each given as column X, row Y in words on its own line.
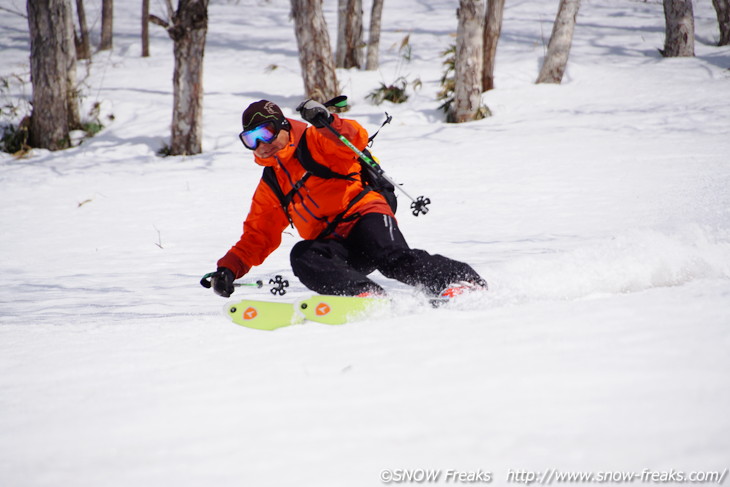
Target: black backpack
column 371, row 178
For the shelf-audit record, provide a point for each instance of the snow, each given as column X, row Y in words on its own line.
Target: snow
column 598, row 210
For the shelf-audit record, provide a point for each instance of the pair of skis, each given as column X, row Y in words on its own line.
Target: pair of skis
column 330, row 310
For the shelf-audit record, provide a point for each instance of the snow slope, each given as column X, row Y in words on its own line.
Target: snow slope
column 598, row 210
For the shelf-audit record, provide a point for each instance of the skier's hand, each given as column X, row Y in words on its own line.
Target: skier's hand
column 314, row 113
column 222, row 282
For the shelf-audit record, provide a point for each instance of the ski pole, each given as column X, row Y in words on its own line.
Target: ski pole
column 279, row 284
column 418, row 205
column 206, row 283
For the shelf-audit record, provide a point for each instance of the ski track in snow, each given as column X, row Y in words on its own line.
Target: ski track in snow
column 598, row 210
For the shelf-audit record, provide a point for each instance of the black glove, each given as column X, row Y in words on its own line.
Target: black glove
column 314, row 113
column 222, row 282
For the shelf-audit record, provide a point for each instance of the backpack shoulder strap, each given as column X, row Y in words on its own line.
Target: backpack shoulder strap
column 269, row 177
column 304, row 156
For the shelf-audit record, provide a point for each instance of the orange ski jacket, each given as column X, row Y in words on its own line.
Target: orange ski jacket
column 315, row 203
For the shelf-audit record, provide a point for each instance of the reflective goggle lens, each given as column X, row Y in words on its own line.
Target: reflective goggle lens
column 263, row 133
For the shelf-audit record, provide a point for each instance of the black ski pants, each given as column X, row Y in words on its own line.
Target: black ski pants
column 341, row 266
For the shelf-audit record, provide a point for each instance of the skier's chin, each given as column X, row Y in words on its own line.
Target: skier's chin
column 266, row 153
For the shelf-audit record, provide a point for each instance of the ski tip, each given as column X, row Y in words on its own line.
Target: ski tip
column 262, row 315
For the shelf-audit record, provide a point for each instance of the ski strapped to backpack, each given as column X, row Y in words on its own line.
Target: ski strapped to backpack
column 371, row 175
column 370, row 179
column 418, row 205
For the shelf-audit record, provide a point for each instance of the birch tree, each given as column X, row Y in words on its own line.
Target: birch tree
column 722, row 7
column 556, row 60
column 373, row 55
column 53, row 73
column 492, row 30
column 83, row 46
column 679, row 38
column 107, row 24
column 145, row 28
column 340, row 42
column 187, row 27
column 350, row 34
column 468, row 65
column 188, row 33
column 315, row 53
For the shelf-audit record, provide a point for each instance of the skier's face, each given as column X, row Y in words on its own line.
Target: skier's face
column 265, row 150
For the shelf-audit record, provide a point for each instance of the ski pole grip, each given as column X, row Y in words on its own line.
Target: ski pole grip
column 205, row 281
column 338, row 101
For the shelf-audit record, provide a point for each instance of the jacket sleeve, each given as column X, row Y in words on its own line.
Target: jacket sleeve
column 261, row 233
column 328, row 149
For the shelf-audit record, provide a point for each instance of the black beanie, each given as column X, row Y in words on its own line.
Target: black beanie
column 263, row 111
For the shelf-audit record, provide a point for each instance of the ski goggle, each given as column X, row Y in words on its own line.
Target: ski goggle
column 263, row 133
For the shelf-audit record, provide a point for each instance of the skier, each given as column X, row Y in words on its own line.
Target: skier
column 349, row 230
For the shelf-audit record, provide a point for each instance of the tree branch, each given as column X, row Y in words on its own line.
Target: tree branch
column 154, row 19
column 14, row 12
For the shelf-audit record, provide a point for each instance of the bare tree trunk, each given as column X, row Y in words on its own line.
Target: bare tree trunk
column 679, row 40
column 107, row 24
column 72, row 89
column 145, row 28
column 83, row 47
column 468, row 66
column 553, row 68
column 52, row 56
column 315, row 54
column 353, row 35
column 188, row 31
column 492, row 29
column 722, row 7
column 376, row 15
column 341, row 45
column 349, row 34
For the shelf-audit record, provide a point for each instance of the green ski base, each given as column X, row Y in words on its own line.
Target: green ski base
column 330, row 310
